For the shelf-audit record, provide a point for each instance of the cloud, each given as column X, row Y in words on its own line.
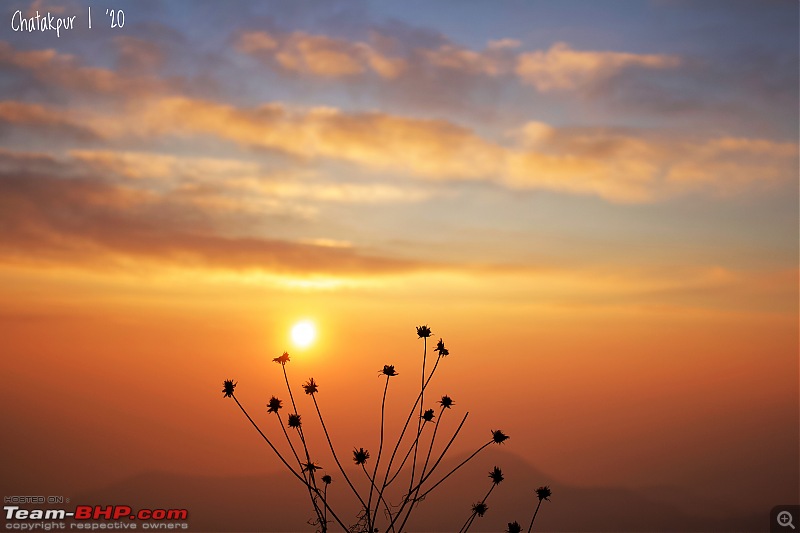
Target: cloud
column 633, row 166
column 324, row 56
column 65, row 71
column 86, row 221
column 431, row 148
column 488, row 63
column 45, row 120
column 618, row 165
column 163, row 167
column 615, row 164
column 319, row 55
column 558, row 68
column 138, row 55
column 562, row 68
column 243, row 186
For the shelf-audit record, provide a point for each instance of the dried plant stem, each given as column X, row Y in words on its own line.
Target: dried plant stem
column 295, row 474
column 403, row 462
column 325, row 510
column 462, row 463
column 371, row 524
column 377, row 461
column 444, row 451
column 428, row 456
column 408, row 420
column 534, row 515
column 433, row 438
column 419, row 420
column 305, row 447
column 299, row 464
column 291, row 446
column 471, row 518
column 407, row 500
column 333, row 452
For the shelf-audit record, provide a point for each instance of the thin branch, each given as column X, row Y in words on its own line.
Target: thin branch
column 333, row 452
column 377, row 461
column 295, row 474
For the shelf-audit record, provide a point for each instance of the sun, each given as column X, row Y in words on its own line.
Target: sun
column 303, row 334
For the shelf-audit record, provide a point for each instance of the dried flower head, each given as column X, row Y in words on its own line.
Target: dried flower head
column 327, row 479
column 388, row 370
column 360, row 456
column 544, row 493
column 496, row 475
column 499, row 437
column 227, row 388
column 443, row 352
column 283, row 359
column 423, row 332
column 446, row 402
column 310, row 386
column 427, row 416
column 480, row 508
column 514, row 527
column 311, row 466
column 274, row 405
column 294, row 421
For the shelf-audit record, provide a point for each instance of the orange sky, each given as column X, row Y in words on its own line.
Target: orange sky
column 603, row 228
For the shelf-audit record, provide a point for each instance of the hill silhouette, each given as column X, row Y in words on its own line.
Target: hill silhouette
column 278, row 503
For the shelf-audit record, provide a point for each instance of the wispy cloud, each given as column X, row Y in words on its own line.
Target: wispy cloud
column 52, row 68
column 619, row 165
column 319, row 55
column 89, row 222
column 558, row 68
column 563, row 68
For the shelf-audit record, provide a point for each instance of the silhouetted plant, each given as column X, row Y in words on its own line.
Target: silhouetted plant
column 543, row 493
column 227, row 388
column 480, row 508
column 514, row 527
column 274, row 405
column 360, row 456
column 421, row 481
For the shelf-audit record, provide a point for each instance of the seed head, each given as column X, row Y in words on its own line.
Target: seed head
column 480, row 508
column 499, row 437
column 227, row 388
column 310, row 386
column 443, row 352
column 544, row 493
column 274, row 405
column 360, row 456
column 311, row 466
column 388, row 370
column 283, row 359
column 496, row 475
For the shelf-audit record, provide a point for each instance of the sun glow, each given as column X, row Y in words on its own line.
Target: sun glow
column 303, row 334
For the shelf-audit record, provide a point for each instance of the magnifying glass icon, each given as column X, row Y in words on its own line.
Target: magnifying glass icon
column 785, row 519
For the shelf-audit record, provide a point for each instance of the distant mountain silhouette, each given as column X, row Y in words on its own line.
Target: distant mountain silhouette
column 279, row 503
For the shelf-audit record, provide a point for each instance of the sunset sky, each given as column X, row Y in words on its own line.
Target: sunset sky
column 594, row 204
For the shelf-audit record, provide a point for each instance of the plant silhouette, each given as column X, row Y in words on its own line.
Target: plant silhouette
column 377, row 512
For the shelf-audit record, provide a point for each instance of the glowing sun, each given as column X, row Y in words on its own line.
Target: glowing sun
column 303, row 334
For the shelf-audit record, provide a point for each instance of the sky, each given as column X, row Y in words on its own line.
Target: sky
column 594, row 204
